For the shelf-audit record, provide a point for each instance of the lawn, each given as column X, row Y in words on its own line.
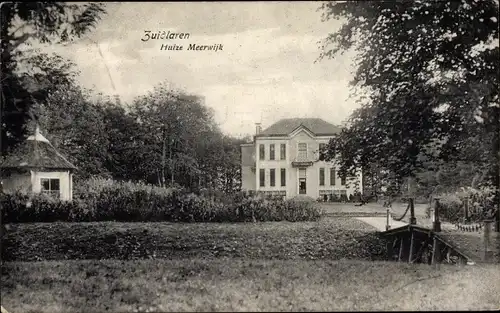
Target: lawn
column 376, row 209
column 235, row 284
column 346, row 209
column 329, row 238
column 332, row 264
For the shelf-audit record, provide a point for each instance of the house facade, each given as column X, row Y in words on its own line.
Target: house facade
column 283, row 160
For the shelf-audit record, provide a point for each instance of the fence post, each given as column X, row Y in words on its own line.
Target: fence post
column 413, row 219
column 388, row 225
column 436, row 224
column 466, row 210
column 436, row 253
column 486, row 238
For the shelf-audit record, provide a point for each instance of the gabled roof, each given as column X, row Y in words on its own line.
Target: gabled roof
column 286, row 126
column 36, row 152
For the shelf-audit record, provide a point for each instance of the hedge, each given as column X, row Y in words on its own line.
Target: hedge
column 129, row 202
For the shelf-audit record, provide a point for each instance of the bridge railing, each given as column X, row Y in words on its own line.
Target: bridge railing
column 439, row 249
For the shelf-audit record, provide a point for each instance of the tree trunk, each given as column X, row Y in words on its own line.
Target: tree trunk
column 163, row 158
column 171, row 163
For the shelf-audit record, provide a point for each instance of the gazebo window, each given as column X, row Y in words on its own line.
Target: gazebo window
column 50, row 186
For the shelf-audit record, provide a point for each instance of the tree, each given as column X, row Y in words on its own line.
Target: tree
column 430, row 71
column 125, row 159
column 232, row 164
column 172, row 123
column 221, row 162
column 178, row 142
column 76, row 127
column 21, row 23
column 166, row 137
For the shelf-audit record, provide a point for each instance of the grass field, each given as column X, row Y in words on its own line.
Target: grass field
column 234, row 284
column 332, row 264
column 329, row 238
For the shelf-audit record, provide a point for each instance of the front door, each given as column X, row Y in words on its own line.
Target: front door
column 302, row 186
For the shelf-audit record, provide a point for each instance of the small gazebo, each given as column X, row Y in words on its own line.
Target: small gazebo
column 37, row 167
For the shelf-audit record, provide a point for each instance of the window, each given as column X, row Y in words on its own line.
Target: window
column 342, row 180
column 321, row 176
column 271, row 152
column 302, row 150
column 283, row 177
column 283, row 151
column 50, row 186
column 272, row 177
column 262, row 152
column 262, row 177
column 332, row 176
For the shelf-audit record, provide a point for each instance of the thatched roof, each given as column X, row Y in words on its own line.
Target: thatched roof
column 36, row 153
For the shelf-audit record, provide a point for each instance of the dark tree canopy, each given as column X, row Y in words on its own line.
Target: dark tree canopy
column 428, row 76
column 46, row 22
column 430, row 72
column 165, row 137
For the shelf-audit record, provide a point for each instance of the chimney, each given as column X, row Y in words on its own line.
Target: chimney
column 258, row 128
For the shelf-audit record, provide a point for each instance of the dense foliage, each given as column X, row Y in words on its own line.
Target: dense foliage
column 28, row 75
column 429, row 71
column 467, row 204
column 131, row 202
column 167, row 137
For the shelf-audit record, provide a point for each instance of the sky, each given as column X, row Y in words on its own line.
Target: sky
column 266, row 70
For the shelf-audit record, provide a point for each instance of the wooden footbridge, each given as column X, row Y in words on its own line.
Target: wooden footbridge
column 463, row 244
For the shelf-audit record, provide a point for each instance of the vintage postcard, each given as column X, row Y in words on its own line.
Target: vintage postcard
column 250, row 156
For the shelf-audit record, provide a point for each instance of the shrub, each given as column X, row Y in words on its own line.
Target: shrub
column 450, row 207
column 19, row 207
column 481, row 200
column 480, row 204
column 107, row 200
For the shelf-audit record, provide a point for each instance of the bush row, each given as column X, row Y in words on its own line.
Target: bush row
column 339, row 198
column 130, row 202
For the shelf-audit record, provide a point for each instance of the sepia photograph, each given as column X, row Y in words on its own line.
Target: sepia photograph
column 248, row 156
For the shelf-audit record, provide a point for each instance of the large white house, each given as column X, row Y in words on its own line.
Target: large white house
column 284, row 160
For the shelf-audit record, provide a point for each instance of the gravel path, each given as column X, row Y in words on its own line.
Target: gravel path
column 380, row 222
